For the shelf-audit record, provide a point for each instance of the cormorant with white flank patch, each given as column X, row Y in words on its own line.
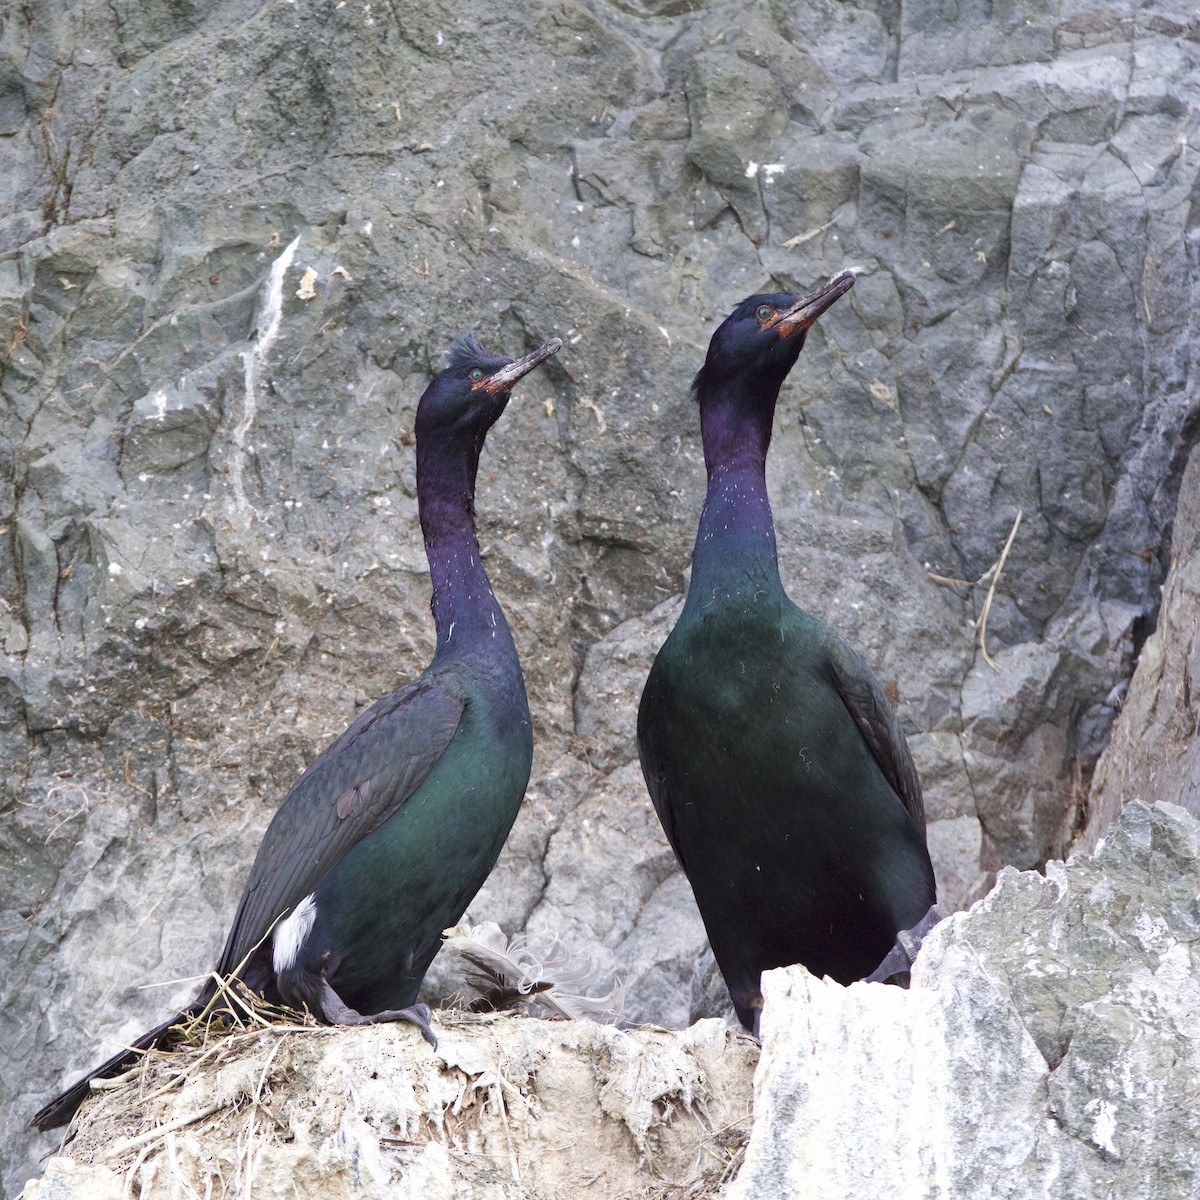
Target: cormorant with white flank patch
column 387, row 836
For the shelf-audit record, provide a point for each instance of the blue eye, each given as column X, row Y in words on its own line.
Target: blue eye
column 764, row 312
column 477, row 374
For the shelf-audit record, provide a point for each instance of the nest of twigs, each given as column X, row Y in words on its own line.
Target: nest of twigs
column 250, row 1099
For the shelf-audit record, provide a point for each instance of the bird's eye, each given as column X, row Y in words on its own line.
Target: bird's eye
column 764, row 312
column 477, row 374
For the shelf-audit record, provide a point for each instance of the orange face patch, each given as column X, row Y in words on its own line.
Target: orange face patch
column 783, row 328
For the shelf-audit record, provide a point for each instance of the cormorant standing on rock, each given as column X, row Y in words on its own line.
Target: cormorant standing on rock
column 776, row 765
column 384, row 840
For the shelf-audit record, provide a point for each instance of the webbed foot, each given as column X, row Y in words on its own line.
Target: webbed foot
column 336, row 1012
column 899, row 959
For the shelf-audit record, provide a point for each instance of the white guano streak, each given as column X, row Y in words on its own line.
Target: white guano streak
column 269, row 315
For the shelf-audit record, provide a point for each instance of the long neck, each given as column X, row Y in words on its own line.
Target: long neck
column 465, row 610
column 735, row 542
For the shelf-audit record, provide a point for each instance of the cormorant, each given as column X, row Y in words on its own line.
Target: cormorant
column 386, row 837
column 775, row 763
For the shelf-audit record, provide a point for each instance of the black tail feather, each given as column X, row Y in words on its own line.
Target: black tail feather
column 63, row 1107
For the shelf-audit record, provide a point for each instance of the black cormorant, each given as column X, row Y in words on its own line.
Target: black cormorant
column 386, row 837
column 775, row 762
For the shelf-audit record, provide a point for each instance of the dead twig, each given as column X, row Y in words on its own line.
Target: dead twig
column 987, row 603
column 161, row 1131
column 992, row 575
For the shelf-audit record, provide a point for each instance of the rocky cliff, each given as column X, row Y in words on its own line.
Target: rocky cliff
column 235, row 239
column 1046, row 1047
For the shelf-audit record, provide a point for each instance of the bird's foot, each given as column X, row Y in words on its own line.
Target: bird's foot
column 748, row 1004
column 337, row 1012
column 900, row 958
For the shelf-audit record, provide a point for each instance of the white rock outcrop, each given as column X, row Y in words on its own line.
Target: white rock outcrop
column 1049, row 1046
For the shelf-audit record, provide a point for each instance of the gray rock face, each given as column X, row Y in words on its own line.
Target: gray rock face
column 1047, row 1046
column 234, row 241
column 1154, row 753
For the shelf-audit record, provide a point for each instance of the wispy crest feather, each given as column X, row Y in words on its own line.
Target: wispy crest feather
column 466, row 350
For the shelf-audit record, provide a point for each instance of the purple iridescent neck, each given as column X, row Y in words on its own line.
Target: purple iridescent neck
column 465, row 610
column 735, row 542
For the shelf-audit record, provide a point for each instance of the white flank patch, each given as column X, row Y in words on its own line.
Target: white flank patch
column 291, row 932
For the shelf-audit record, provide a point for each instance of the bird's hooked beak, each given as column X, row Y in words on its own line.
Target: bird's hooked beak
column 803, row 314
column 505, row 379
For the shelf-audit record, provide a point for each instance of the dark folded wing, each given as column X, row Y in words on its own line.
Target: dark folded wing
column 876, row 721
column 350, row 789
column 652, row 715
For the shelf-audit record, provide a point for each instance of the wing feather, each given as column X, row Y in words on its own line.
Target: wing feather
column 348, row 791
column 651, row 716
column 877, row 722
